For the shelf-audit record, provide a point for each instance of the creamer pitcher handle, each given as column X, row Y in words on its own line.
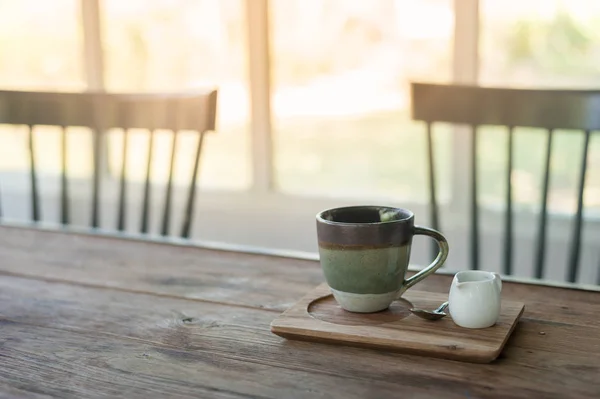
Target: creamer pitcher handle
column 436, row 264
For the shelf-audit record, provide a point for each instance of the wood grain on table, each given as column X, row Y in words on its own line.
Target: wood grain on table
column 88, row 316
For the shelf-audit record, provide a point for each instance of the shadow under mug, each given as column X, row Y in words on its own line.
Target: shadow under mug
column 365, row 251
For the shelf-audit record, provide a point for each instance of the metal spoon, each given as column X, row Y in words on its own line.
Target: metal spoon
column 431, row 315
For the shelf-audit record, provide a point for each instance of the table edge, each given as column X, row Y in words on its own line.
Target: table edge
column 248, row 249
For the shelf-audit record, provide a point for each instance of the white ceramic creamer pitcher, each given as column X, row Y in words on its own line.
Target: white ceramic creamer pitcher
column 474, row 299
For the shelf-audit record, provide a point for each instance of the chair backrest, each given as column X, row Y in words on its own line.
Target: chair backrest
column 102, row 111
column 475, row 106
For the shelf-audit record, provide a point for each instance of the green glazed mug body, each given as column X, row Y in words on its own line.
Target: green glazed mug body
column 365, row 251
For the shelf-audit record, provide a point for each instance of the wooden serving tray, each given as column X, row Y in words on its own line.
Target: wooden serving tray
column 318, row 317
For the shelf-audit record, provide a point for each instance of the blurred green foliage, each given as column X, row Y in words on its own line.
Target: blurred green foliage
column 559, row 45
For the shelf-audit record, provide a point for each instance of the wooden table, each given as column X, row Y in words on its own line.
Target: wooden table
column 86, row 316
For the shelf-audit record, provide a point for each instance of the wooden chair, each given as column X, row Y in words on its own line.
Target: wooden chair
column 475, row 106
column 100, row 112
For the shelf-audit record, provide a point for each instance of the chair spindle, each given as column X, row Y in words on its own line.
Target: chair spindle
column 123, row 183
column 474, row 210
column 169, row 190
column 541, row 236
column 434, row 215
column 576, row 244
column 96, row 182
column 35, row 205
column 64, row 195
column 508, row 222
column 147, row 186
column 189, row 209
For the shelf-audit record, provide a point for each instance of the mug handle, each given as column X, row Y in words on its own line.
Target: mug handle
column 436, row 264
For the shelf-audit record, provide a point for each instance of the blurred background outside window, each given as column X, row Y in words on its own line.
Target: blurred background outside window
column 340, row 120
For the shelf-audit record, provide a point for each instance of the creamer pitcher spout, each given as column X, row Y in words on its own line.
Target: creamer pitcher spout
column 459, row 283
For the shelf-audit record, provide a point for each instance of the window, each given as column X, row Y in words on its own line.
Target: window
column 40, row 45
column 541, row 43
column 178, row 45
column 339, row 121
column 341, row 72
column 40, row 49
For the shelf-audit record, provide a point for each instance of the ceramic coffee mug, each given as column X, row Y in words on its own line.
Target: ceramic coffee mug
column 364, row 252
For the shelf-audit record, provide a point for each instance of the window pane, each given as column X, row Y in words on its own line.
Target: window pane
column 40, row 50
column 176, row 45
column 541, row 43
column 40, row 45
column 341, row 72
column 553, row 43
